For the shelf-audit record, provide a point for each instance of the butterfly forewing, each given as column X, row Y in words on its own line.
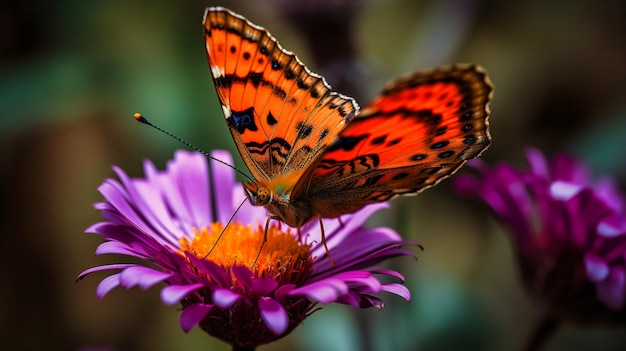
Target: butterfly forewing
column 281, row 115
column 418, row 131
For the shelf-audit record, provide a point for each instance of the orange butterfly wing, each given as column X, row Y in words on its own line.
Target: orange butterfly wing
column 281, row 115
column 420, row 129
column 293, row 134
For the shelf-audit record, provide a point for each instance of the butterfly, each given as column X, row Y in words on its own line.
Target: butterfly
column 312, row 152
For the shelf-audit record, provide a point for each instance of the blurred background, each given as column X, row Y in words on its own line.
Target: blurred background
column 72, row 73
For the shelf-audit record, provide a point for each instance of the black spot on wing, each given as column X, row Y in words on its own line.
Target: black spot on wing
column 224, row 81
column 303, row 130
column 465, row 117
column 302, row 85
column 379, row 140
column 347, row 143
column 421, row 181
column 243, row 120
column 255, row 78
column 434, row 170
column 279, row 93
column 323, row 135
column 469, row 139
column 270, row 119
column 446, row 154
column 276, row 65
column 394, row 142
column 289, row 74
column 440, row 144
column 418, row 157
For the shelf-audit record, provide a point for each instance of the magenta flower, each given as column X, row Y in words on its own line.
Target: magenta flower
column 569, row 233
column 172, row 219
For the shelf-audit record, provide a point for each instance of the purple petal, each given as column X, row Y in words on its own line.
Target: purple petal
column 172, row 294
column 564, row 191
column 104, row 268
column 114, row 247
column 612, row 227
column 283, row 291
column 337, row 230
column 352, row 298
column 273, row 315
column 398, row 289
column 597, row 269
column 192, row 315
column 217, row 274
column 223, row 183
column 107, row 284
column 225, row 298
column 188, row 175
column 537, row 162
column 324, row 291
column 243, row 275
column 371, row 301
column 389, row 273
column 612, row 290
column 143, row 276
column 263, row 286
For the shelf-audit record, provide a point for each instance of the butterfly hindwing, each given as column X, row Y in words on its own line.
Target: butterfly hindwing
column 419, row 130
column 281, row 115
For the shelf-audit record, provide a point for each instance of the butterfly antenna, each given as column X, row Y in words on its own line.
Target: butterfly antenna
column 140, row 118
column 224, row 230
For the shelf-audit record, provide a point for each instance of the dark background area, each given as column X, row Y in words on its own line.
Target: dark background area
column 72, row 73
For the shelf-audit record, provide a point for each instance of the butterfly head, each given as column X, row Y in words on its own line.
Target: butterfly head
column 258, row 195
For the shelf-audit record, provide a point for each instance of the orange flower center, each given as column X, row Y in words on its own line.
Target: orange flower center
column 281, row 257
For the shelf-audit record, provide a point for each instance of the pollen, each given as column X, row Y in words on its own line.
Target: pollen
column 282, row 257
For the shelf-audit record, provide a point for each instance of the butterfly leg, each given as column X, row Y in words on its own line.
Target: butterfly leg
column 267, row 227
column 330, row 258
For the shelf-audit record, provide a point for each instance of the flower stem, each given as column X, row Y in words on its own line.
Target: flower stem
column 544, row 329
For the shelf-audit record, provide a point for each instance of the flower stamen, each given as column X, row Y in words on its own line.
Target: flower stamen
column 282, row 254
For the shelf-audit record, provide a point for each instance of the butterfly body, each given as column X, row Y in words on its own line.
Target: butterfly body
column 312, row 152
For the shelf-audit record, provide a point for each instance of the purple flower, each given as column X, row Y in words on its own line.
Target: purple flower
column 569, row 233
column 172, row 220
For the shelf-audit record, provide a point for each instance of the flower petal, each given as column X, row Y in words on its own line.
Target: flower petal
column 612, row 227
column 243, row 275
column 225, row 298
column 192, row 315
column 564, row 191
column 115, row 247
column 324, row 291
column 612, row 291
column 283, row 290
column 107, row 284
column 597, row 269
column 172, row 294
column 273, row 315
column 264, row 286
column 143, row 276
column 104, row 268
column 397, row 289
